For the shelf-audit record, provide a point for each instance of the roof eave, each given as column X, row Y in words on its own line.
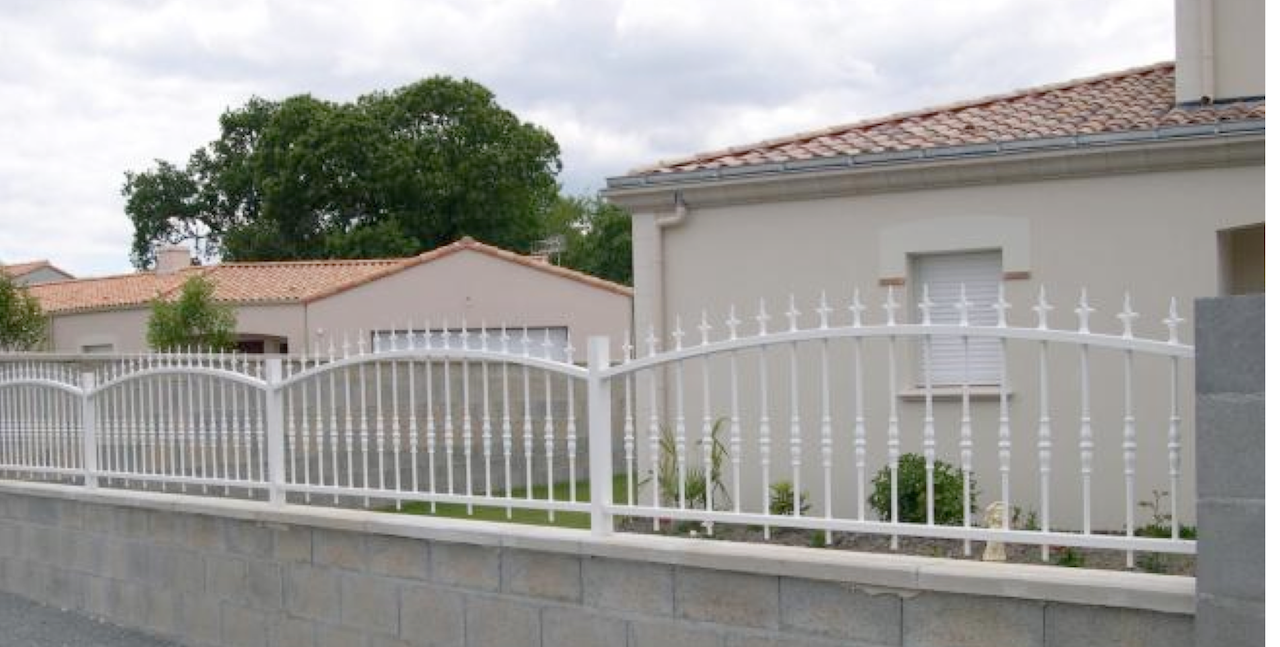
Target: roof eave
column 725, row 185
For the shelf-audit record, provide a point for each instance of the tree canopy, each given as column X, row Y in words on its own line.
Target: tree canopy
column 597, row 237
column 193, row 320
column 389, row 174
column 22, row 323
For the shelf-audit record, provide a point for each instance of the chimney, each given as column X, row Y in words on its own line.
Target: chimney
column 172, row 258
column 1221, row 50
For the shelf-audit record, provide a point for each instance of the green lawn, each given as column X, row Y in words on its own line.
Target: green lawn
column 518, row 515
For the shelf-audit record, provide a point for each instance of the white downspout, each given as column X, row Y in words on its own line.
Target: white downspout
column 1207, row 81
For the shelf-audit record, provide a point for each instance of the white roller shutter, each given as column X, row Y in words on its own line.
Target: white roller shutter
column 980, row 273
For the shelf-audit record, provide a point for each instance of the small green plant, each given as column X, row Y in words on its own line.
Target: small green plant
column 1161, row 521
column 817, row 539
column 1153, row 563
column 1067, row 556
column 695, row 477
column 948, row 492
column 1033, row 521
column 782, row 499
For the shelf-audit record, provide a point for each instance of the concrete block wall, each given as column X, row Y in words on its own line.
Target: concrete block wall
column 220, row 574
column 1231, row 475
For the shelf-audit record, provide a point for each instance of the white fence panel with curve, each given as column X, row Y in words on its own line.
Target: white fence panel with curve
column 488, row 419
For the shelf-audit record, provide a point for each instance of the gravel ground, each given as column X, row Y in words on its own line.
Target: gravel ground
column 954, row 549
column 24, row 623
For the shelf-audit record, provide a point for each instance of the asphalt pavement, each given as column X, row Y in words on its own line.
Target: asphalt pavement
column 24, row 623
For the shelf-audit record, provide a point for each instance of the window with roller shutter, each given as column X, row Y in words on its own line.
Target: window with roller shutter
column 980, row 274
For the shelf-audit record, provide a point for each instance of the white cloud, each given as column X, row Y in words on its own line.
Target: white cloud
column 93, row 88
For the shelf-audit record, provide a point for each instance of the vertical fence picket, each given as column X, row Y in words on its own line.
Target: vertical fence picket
column 894, row 442
column 764, row 440
column 1083, row 310
column 1129, row 442
column 1175, row 424
column 708, row 440
column 966, row 419
column 1044, row 435
column 930, row 433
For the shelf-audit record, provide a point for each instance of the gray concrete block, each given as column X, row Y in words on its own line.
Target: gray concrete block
column 176, row 569
column 1223, row 622
column 1229, row 439
column 201, row 620
column 840, row 611
column 98, row 518
column 165, row 527
column 735, row 639
column 204, row 532
column 41, row 511
column 257, row 583
column 467, row 566
column 1075, row 625
column 1231, row 344
column 646, row 633
column 573, row 627
column 379, row 640
column 96, row 595
column 327, row 636
column 38, row 543
column 311, row 592
column 243, row 627
column 739, row 599
column 938, row 619
column 248, row 538
column 338, row 549
column 397, row 557
column 370, row 603
column 8, row 539
column 292, row 543
column 127, row 604
column 543, row 575
column 130, row 522
column 431, row 616
column 66, row 589
column 640, row 587
column 88, row 554
column 1231, row 553
column 287, row 631
column 498, row 622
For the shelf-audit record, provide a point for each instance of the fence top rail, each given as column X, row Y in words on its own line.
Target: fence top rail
column 323, row 365
column 41, row 381
column 1082, row 335
column 182, row 369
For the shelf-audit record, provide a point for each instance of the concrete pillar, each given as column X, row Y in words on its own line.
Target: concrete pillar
column 1230, row 474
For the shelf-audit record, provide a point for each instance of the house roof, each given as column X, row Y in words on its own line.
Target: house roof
column 270, row 282
column 1141, row 98
column 16, row 270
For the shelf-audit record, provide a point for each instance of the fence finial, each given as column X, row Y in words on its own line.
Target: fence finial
column 678, row 335
column 732, row 322
column 823, row 310
column 890, row 309
column 652, row 341
column 568, row 347
column 1084, row 310
column 857, row 307
column 963, row 305
column 525, row 341
column 1042, row 309
column 505, row 339
column 1126, row 317
column 926, row 306
column 464, row 337
column 360, row 347
column 444, row 333
column 1001, row 307
column 484, row 335
column 763, row 319
column 1173, row 320
column 704, row 328
column 792, row 313
column 546, row 343
column 332, row 349
column 627, row 348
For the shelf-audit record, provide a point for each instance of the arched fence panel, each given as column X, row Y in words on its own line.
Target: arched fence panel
column 41, row 422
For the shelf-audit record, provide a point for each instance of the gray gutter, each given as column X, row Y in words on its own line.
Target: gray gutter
column 897, row 158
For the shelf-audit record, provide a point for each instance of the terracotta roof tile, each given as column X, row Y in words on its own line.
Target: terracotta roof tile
column 16, row 270
column 1136, row 99
column 269, row 282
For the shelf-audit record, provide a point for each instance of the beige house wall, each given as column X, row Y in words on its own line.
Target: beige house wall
column 1154, row 234
column 1219, row 49
column 475, row 287
column 126, row 329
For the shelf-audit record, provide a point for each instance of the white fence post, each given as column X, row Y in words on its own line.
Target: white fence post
column 600, row 434
column 275, row 432
column 89, row 430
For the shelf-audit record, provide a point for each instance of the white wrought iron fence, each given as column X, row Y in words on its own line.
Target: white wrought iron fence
column 482, row 422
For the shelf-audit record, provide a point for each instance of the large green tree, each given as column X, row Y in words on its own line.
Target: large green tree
column 389, row 174
column 193, row 320
column 596, row 237
column 22, row 323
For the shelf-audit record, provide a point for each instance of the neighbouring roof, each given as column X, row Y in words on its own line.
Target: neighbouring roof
column 18, row 270
column 270, row 282
column 1131, row 100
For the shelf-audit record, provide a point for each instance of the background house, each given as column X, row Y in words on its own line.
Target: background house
column 305, row 305
column 33, row 272
column 1147, row 181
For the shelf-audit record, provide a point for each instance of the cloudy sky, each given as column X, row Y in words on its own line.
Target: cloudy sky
column 90, row 89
